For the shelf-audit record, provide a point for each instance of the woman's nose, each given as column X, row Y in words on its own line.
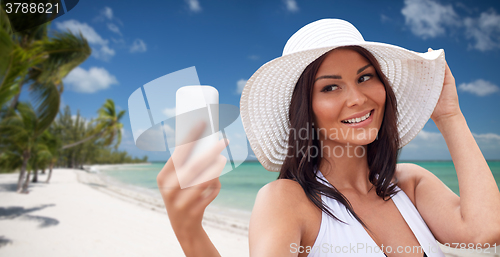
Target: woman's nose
column 355, row 96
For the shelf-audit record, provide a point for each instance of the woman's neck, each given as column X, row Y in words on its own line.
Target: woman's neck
column 347, row 169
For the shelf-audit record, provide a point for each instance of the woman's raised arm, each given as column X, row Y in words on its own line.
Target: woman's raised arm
column 474, row 216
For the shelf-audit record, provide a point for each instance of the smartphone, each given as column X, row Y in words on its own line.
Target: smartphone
column 194, row 104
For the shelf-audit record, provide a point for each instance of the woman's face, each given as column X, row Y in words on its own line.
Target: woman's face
column 348, row 99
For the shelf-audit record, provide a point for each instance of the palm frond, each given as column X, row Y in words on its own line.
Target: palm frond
column 47, row 100
column 5, row 22
column 64, row 51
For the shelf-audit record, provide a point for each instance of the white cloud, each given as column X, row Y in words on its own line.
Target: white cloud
column 169, row 112
column 429, row 136
column 93, row 80
column 489, row 143
column 427, row 18
column 291, row 5
column 384, row 18
column 487, row 137
column 87, row 31
column 240, row 85
column 253, row 57
column 138, row 46
column 193, row 5
column 105, row 13
column 104, row 53
column 485, row 30
column 426, row 145
column 100, row 48
column 432, row 146
column 108, row 13
column 479, row 87
column 114, row 28
column 169, row 135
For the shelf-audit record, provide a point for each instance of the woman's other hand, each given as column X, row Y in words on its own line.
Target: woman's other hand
column 447, row 105
column 185, row 206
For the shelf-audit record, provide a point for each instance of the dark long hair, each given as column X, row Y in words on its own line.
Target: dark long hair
column 381, row 154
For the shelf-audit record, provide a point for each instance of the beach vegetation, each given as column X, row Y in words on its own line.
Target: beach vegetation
column 93, row 141
column 108, row 128
column 20, row 140
column 35, row 60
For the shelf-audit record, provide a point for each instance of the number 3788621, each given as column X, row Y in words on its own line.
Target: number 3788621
column 31, row 8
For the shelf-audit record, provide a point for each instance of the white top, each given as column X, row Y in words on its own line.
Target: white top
column 351, row 239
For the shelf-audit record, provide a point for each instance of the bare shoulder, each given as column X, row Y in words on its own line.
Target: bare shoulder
column 283, row 188
column 409, row 175
column 277, row 219
column 282, row 196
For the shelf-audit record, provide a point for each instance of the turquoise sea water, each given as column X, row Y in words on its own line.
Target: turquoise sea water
column 240, row 186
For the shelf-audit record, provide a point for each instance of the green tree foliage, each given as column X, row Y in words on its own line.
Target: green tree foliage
column 29, row 137
column 20, row 139
column 31, row 57
column 96, row 140
column 107, row 129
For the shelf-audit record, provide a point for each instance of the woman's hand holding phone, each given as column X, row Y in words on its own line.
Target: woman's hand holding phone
column 186, row 206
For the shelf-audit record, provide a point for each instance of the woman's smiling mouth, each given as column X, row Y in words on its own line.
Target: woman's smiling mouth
column 360, row 121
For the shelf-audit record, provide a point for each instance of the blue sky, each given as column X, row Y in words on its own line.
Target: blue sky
column 136, row 42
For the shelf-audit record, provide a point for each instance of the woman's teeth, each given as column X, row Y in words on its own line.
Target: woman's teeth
column 357, row 120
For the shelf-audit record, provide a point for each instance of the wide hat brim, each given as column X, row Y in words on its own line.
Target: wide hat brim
column 416, row 79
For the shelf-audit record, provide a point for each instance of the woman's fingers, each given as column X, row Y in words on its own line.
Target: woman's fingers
column 167, row 178
column 198, row 197
column 203, row 168
column 195, row 171
column 183, row 149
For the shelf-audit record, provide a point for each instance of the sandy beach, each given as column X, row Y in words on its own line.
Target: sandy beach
column 77, row 215
column 85, row 214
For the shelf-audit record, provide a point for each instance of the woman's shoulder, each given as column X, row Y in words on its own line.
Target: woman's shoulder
column 282, row 193
column 282, row 187
column 281, row 216
column 408, row 175
column 284, row 198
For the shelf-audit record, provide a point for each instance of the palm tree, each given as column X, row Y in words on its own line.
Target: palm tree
column 39, row 160
column 43, row 154
column 108, row 127
column 31, row 56
column 10, row 158
column 21, row 132
column 53, row 144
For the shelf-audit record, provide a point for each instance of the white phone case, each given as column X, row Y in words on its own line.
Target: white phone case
column 189, row 99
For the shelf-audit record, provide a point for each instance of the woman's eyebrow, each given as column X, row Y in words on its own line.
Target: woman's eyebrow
column 340, row 77
column 328, row 77
column 364, row 68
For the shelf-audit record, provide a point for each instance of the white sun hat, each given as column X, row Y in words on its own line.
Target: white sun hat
column 415, row 78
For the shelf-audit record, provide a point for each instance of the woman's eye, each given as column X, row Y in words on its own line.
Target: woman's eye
column 365, row 77
column 329, row 88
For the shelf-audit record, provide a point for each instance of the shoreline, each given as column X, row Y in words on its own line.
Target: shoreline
column 95, row 168
column 233, row 220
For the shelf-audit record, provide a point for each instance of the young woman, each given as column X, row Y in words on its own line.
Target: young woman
column 330, row 115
